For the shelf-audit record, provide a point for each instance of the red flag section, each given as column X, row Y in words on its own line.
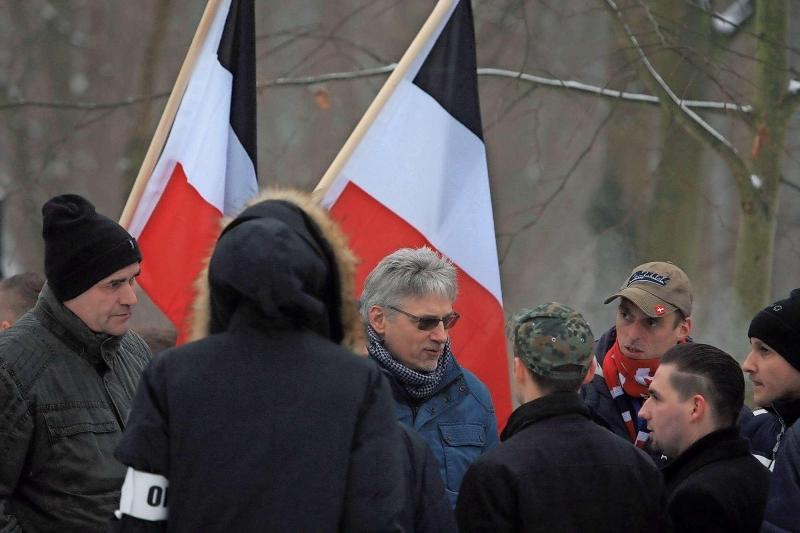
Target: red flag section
column 418, row 176
column 180, row 207
column 207, row 166
column 478, row 334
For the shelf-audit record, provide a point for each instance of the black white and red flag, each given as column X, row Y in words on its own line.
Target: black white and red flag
column 207, row 166
column 414, row 173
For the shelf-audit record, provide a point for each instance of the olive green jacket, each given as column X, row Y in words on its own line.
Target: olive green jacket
column 65, row 393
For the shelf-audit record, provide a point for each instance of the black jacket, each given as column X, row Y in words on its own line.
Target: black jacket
column 65, row 393
column 765, row 430
column 427, row 508
column 269, row 424
column 716, row 485
column 556, row 470
column 783, row 506
column 774, row 435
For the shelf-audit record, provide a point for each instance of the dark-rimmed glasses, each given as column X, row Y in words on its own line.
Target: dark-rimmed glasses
column 427, row 323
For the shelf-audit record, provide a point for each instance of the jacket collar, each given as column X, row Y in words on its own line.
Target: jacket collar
column 452, row 374
column 70, row 329
column 556, row 404
column 787, row 410
column 717, row 445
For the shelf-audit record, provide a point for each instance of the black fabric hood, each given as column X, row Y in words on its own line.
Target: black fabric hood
column 272, row 267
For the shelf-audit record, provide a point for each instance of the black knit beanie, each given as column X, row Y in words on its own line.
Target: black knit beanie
column 778, row 325
column 81, row 246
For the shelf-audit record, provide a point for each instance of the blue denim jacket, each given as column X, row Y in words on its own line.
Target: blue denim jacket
column 457, row 422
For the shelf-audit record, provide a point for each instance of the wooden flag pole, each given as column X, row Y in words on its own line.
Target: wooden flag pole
column 170, row 110
column 441, row 9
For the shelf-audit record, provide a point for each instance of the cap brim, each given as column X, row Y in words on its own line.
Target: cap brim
column 650, row 305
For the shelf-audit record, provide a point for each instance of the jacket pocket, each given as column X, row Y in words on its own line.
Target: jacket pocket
column 81, row 442
column 462, row 443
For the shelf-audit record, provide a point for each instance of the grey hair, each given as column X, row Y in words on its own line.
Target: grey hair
column 408, row 272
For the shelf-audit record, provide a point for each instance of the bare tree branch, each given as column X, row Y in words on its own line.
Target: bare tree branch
column 376, row 71
column 612, row 93
column 790, row 184
column 693, row 122
column 542, row 207
column 694, row 117
column 82, row 106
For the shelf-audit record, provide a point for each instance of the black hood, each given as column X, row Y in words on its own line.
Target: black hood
column 273, row 268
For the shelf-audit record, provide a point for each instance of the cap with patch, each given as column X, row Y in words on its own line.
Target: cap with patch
column 552, row 340
column 657, row 288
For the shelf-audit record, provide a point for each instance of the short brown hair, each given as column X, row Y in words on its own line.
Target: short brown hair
column 18, row 294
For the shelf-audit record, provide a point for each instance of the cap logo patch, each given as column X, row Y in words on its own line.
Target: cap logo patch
column 777, row 308
column 660, row 310
column 643, row 276
column 130, row 241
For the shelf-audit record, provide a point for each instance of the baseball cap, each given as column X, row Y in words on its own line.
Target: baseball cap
column 552, row 340
column 657, row 288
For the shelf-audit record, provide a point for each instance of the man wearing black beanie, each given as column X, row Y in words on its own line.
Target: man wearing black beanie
column 68, row 372
column 774, row 368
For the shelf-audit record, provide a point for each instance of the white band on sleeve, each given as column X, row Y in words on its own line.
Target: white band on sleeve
column 144, row 496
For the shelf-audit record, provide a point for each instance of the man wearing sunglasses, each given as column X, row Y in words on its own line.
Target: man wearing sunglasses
column 407, row 307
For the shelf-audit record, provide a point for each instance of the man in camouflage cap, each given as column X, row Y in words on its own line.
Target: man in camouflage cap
column 554, row 464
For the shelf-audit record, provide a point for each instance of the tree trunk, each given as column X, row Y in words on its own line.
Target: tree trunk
column 670, row 230
column 759, row 197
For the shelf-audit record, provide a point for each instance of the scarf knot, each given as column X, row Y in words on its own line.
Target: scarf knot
column 418, row 384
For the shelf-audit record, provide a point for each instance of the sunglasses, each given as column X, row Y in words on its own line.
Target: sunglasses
column 427, row 323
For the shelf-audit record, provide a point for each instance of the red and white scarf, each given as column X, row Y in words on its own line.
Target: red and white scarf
column 629, row 378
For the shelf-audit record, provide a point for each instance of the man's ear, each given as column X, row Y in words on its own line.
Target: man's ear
column 519, row 371
column 685, row 328
column 590, row 373
column 377, row 319
column 699, row 408
column 4, row 325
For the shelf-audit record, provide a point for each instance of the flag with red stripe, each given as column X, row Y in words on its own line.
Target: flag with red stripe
column 207, row 168
column 419, row 177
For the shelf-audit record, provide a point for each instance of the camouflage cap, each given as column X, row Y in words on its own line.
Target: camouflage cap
column 552, row 340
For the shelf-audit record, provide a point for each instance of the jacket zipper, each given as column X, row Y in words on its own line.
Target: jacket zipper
column 111, row 401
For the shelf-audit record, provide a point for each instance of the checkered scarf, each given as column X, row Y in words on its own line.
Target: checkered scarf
column 419, row 385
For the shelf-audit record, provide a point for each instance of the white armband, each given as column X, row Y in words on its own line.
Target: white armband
column 144, row 496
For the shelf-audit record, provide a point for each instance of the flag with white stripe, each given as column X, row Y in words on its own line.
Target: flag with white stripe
column 419, row 177
column 207, row 168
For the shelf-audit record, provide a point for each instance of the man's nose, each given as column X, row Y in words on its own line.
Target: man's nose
column 129, row 295
column 644, row 412
column 439, row 334
column 747, row 364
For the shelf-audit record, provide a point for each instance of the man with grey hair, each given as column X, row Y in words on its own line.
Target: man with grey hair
column 407, row 307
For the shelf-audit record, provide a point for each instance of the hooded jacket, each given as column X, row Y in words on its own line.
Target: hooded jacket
column 269, row 423
column 65, row 393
